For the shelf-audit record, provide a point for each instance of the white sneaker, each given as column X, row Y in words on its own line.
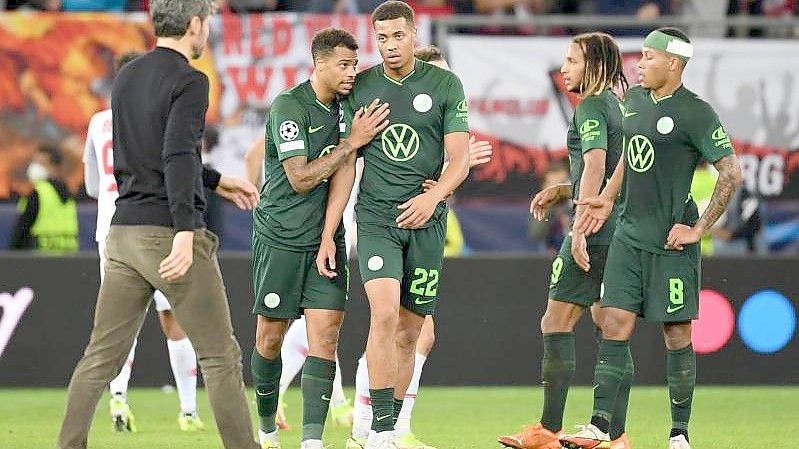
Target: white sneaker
column 588, row 437
column 381, row 440
column 269, row 440
column 679, row 442
column 311, row 444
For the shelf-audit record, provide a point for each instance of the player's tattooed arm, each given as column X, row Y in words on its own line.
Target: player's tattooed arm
column 304, row 176
column 729, row 180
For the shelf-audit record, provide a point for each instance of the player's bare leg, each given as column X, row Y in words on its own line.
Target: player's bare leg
column 319, row 371
column 427, row 337
column 384, row 310
column 363, row 408
column 409, row 329
column 266, row 369
column 614, row 352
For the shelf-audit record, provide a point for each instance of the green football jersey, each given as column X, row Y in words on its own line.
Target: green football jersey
column 298, row 125
column 425, row 105
column 664, row 140
column 596, row 124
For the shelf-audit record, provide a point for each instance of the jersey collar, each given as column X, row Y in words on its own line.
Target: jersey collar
column 662, row 99
column 312, row 96
column 405, row 78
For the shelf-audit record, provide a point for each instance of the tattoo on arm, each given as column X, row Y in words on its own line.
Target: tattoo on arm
column 726, row 185
column 307, row 175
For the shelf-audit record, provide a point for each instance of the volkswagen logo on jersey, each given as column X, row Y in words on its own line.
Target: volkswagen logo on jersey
column 400, row 142
column 640, row 153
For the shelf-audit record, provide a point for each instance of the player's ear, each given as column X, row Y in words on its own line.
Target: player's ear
column 674, row 64
column 195, row 25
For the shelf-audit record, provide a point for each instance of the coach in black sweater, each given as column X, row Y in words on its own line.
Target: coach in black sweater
column 158, row 238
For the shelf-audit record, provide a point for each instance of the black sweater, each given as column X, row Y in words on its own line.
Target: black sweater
column 159, row 103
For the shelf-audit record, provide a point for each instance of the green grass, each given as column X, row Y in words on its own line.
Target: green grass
column 448, row 418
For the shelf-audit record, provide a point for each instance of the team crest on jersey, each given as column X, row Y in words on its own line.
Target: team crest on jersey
column 400, row 142
column 665, row 125
column 423, row 103
column 640, row 153
column 289, row 130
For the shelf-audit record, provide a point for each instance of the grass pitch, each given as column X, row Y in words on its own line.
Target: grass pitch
column 447, row 418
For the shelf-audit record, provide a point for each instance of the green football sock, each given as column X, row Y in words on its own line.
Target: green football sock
column 681, row 369
column 608, row 377
column 557, row 371
column 317, row 386
column 620, row 412
column 266, row 376
column 382, row 409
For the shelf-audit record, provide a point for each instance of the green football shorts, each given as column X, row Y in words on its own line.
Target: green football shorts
column 569, row 283
column 287, row 282
column 657, row 287
column 412, row 256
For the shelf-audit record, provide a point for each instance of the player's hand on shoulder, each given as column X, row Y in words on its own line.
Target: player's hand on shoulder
column 681, row 235
column 326, row 258
column 417, row 211
column 368, row 122
column 241, row 192
column 179, row 260
column 595, row 213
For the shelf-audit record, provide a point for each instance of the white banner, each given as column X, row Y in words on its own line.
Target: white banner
column 515, row 96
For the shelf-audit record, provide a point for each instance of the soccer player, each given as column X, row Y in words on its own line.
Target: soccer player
column 653, row 261
column 101, row 184
column 479, row 153
column 295, row 343
column 303, row 151
column 401, row 229
column 592, row 68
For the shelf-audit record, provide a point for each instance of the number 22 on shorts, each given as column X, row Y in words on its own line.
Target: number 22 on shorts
column 425, row 282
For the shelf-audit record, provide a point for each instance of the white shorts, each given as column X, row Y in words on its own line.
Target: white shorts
column 161, row 303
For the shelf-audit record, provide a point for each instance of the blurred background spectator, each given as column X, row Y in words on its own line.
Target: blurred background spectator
column 48, row 216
